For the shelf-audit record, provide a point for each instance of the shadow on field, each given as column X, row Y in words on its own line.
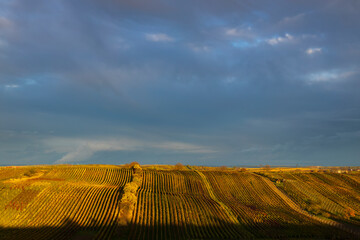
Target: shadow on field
column 71, row 230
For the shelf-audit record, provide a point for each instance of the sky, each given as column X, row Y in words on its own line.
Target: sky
column 199, row 82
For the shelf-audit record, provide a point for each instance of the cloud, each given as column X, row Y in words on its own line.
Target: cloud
column 11, row 86
column 293, row 19
column 248, row 40
column 183, row 147
column 311, row 51
column 86, row 148
column 333, row 75
column 243, row 37
column 199, row 48
column 77, row 150
column 251, row 40
column 174, row 71
column 242, row 32
column 158, row 37
column 232, row 32
column 277, row 40
column 271, row 148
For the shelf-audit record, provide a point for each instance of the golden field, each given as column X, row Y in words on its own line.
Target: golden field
column 178, row 202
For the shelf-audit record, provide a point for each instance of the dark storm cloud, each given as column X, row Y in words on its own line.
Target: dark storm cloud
column 218, row 82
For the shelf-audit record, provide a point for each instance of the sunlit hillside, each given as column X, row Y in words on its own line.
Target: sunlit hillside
column 177, row 202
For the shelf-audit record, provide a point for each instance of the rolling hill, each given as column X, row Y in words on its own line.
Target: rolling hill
column 177, row 202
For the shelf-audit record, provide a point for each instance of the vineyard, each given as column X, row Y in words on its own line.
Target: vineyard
column 61, row 202
column 134, row 202
column 330, row 195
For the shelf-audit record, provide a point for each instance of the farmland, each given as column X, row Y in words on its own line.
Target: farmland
column 153, row 202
